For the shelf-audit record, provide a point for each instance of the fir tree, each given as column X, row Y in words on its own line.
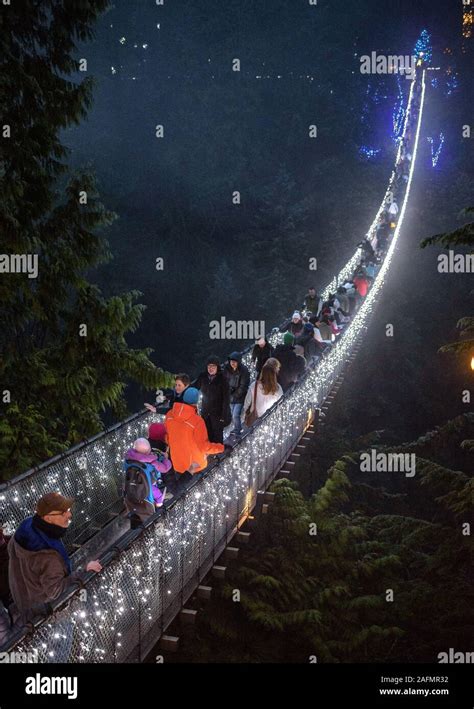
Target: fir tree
column 463, row 236
column 65, row 358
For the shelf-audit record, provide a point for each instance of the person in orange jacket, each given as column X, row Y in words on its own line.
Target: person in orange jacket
column 187, row 436
column 361, row 283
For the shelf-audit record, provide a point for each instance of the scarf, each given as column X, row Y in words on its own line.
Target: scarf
column 34, row 534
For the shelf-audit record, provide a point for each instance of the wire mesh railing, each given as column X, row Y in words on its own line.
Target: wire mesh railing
column 150, row 572
column 91, row 472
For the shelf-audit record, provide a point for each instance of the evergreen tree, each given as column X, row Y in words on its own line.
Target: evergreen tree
column 279, row 261
column 385, row 556
column 65, row 358
column 463, row 236
column 223, row 300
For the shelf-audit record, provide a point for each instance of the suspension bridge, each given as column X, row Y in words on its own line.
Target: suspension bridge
column 149, row 573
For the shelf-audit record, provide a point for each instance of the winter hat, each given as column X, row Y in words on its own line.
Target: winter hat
column 141, row 445
column 308, row 327
column 191, row 396
column 296, row 314
column 213, row 359
column 288, row 338
column 235, row 356
column 53, row 502
column 157, row 431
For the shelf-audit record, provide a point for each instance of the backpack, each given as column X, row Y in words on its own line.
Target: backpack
column 138, row 482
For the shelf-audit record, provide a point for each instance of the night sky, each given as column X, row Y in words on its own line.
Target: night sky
column 226, row 130
column 302, row 199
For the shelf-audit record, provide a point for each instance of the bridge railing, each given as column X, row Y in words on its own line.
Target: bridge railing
column 150, row 572
column 91, row 472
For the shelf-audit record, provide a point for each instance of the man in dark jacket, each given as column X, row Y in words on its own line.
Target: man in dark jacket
column 312, row 302
column 382, row 233
column 39, row 567
column 292, row 365
column 367, row 249
column 238, row 378
column 260, row 353
column 215, row 409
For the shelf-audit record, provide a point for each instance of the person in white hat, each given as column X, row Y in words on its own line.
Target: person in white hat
column 261, row 352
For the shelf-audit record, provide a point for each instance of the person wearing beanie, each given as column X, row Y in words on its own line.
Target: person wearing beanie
column 157, row 437
column 191, row 396
column 292, row 365
column 215, row 407
column 295, row 325
column 187, row 436
column 261, row 352
column 142, row 453
column 309, row 344
column 39, row 565
column 238, row 378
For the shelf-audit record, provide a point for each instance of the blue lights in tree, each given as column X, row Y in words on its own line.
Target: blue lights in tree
column 435, row 154
column 423, row 49
column 374, row 98
column 368, row 153
column 452, row 84
column 398, row 114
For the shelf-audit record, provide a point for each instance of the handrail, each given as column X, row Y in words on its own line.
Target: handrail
column 151, row 571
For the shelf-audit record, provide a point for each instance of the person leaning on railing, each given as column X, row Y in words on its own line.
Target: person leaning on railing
column 39, row 565
column 168, row 397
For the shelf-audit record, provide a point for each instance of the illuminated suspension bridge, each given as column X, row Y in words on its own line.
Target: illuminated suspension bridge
column 149, row 573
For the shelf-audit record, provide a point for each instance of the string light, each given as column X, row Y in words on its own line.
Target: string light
column 467, row 21
column 452, row 83
column 148, row 581
column 398, row 112
column 435, row 154
column 423, row 49
column 369, row 153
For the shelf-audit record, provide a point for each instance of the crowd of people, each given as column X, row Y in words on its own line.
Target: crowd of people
column 201, row 418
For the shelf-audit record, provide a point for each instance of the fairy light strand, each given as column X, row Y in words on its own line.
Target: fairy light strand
column 148, row 578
